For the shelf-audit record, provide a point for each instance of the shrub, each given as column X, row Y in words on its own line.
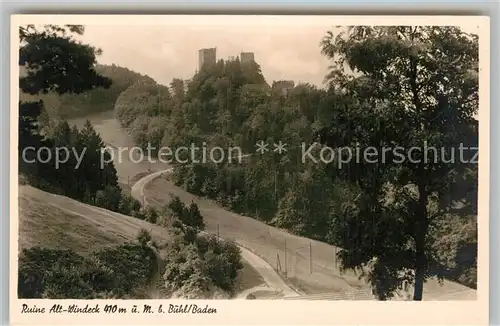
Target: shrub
column 222, row 259
column 132, row 265
column 188, row 216
column 143, row 237
column 128, row 205
column 151, row 215
column 58, row 274
column 202, row 268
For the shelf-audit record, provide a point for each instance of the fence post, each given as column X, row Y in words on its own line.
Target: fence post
column 335, row 257
column 286, row 266
column 310, row 258
column 218, row 231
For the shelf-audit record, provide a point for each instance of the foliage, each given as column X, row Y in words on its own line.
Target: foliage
column 143, row 237
column 55, row 62
column 395, row 87
column 54, row 65
column 85, row 176
column 198, row 266
column 406, row 86
column 189, row 217
column 129, row 205
column 204, row 268
column 132, row 265
column 141, row 108
column 222, row 261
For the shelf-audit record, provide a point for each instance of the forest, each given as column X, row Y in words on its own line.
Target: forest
column 388, row 86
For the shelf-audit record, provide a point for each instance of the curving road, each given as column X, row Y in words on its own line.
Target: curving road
column 270, row 276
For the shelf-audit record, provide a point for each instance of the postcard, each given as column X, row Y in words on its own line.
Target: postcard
column 249, row 169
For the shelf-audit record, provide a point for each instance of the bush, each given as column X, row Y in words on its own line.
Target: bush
column 198, row 266
column 222, row 259
column 188, row 216
column 202, row 269
column 58, row 274
column 143, row 237
column 151, row 215
column 132, row 265
column 128, row 205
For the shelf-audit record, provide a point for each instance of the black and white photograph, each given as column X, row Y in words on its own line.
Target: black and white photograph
column 248, row 158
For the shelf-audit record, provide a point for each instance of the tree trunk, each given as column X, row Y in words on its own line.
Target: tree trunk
column 419, row 274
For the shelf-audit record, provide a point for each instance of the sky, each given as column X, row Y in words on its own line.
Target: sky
column 286, row 47
column 167, row 53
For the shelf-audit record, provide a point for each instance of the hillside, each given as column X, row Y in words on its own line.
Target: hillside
column 67, row 106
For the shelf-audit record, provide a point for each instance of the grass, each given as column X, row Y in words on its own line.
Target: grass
column 46, row 225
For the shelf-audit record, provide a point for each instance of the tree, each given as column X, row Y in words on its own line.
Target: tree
column 56, row 62
column 402, row 86
column 53, row 62
column 194, row 218
column 151, row 215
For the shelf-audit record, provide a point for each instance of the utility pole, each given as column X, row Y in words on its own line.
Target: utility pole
column 275, row 185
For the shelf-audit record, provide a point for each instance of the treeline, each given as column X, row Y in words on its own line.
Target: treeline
column 68, row 106
column 387, row 214
column 73, row 163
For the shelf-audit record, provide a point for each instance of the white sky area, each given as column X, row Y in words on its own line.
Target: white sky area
column 286, row 47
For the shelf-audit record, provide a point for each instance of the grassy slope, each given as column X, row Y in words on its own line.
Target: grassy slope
column 53, row 221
